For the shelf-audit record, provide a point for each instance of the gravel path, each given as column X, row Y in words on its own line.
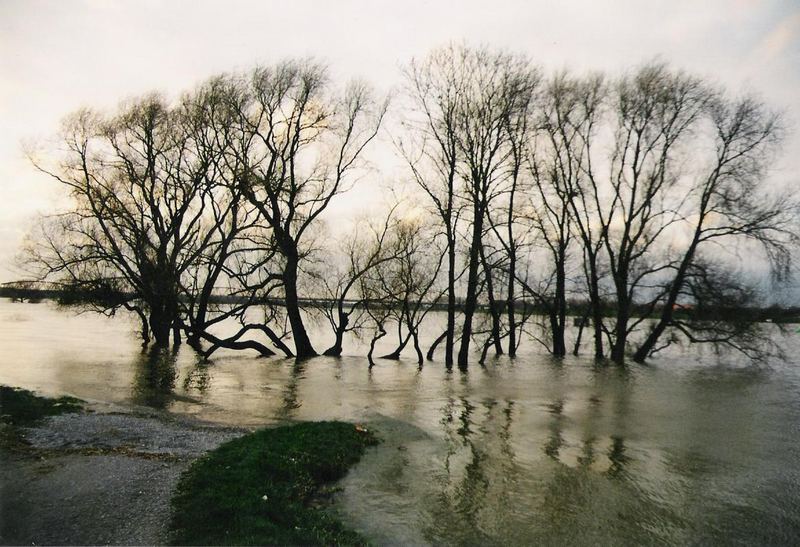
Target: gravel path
column 98, row 478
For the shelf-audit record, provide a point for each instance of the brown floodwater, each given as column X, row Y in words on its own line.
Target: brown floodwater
column 695, row 448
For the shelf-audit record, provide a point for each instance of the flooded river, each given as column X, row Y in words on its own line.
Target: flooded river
column 693, row 449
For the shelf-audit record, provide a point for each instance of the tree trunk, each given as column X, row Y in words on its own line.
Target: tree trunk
column 436, row 342
column 559, row 314
column 395, row 355
column 336, row 349
column 512, row 261
column 581, row 326
column 557, row 334
column 198, row 323
column 471, row 301
column 378, row 335
column 510, row 311
column 493, row 311
column 234, row 343
column 302, row 344
column 621, row 328
column 145, row 332
column 649, row 343
column 160, row 325
column 451, row 307
column 672, row 297
column 597, row 308
column 417, row 349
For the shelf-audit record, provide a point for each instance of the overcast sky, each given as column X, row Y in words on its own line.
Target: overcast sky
column 59, row 55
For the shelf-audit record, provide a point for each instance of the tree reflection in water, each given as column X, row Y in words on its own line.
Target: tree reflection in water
column 479, row 463
column 155, row 375
column 198, row 378
column 290, row 400
column 583, row 466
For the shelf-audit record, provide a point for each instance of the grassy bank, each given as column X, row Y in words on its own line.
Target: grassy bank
column 263, row 488
column 20, row 407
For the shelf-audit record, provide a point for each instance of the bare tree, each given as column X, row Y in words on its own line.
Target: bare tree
column 298, row 147
column 723, row 312
column 729, row 201
column 560, row 205
column 137, row 204
column 406, row 284
column 228, row 218
column 554, row 164
column 203, row 211
column 237, row 248
column 578, row 105
column 367, row 248
column 497, row 89
column 434, row 88
column 655, row 111
column 466, row 99
column 506, row 231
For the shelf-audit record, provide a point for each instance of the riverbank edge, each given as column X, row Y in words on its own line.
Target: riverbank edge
column 302, row 462
column 270, row 487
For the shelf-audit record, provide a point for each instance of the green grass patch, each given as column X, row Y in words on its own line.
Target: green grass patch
column 20, row 407
column 261, row 489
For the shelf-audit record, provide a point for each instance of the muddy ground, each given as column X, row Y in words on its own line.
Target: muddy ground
column 104, row 476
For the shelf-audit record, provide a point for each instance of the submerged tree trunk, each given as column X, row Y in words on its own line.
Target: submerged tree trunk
column 584, row 320
column 234, row 341
column 621, row 327
column 160, row 324
column 395, row 355
column 336, row 349
column 510, row 310
column 558, row 315
column 436, row 342
column 672, row 297
column 596, row 308
column 451, row 307
column 145, row 332
column 417, row 349
column 517, row 149
column 557, row 333
column 380, row 333
column 650, row 342
column 494, row 312
column 197, row 321
column 302, row 344
column 471, row 300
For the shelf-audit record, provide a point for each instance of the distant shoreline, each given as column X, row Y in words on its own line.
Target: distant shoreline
column 575, row 308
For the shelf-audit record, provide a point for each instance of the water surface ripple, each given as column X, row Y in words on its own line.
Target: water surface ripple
column 693, row 449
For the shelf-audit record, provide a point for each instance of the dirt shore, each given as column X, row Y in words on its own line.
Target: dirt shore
column 104, row 476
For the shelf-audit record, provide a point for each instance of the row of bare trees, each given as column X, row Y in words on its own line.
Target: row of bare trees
column 627, row 192
column 630, row 195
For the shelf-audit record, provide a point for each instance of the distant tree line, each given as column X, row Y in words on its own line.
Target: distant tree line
column 525, row 191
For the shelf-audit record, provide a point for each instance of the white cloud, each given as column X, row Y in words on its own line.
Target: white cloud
column 785, row 34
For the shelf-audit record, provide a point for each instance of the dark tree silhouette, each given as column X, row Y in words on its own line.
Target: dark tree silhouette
column 369, row 246
column 466, row 100
column 297, row 145
column 434, row 90
column 654, row 110
column 729, row 202
column 627, row 195
column 138, row 199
